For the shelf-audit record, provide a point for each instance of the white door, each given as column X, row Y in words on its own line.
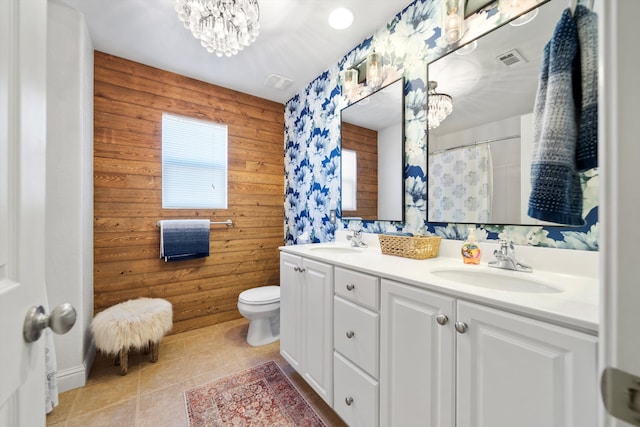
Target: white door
column 619, row 152
column 22, row 203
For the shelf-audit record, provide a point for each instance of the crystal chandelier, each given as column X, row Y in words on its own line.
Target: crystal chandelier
column 222, row 26
column 439, row 106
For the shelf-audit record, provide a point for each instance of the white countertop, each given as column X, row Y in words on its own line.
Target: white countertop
column 574, row 272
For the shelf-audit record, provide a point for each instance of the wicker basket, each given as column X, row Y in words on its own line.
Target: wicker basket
column 410, row 247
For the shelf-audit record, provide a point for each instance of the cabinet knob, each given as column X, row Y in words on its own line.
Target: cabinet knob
column 350, row 334
column 442, row 319
column 348, row 400
column 461, row 327
column 296, row 268
column 350, row 286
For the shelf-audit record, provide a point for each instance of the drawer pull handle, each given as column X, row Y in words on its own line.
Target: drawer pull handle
column 442, row 319
column 461, row 327
column 350, row 334
column 348, row 400
column 350, row 286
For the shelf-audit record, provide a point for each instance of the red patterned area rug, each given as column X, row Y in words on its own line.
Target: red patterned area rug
column 261, row 396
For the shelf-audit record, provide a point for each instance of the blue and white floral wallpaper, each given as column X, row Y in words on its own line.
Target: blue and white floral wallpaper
column 312, row 142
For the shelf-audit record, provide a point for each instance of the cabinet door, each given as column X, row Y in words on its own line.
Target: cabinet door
column 515, row 371
column 416, row 358
column 317, row 327
column 291, row 309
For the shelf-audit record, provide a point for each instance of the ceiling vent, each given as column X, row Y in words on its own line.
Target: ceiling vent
column 511, row 58
column 277, row 81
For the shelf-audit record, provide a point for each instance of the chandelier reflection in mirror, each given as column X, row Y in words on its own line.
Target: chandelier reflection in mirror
column 222, row 26
column 439, row 106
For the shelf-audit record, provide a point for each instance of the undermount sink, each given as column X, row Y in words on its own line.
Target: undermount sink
column 336, row 249
column 509, row 281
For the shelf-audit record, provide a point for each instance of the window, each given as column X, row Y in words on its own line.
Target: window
column 349, row 180
column 194, row 163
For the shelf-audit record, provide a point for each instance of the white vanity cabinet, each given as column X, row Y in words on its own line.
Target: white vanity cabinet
column 356, row 332
column 447, row 362
column 306, row 320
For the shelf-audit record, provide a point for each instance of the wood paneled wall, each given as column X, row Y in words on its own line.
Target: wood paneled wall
column 365, row 142
column 129, row 101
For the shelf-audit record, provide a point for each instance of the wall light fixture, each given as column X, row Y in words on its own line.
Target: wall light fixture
column 453, row 20
column 349, row 82
column 368, row 71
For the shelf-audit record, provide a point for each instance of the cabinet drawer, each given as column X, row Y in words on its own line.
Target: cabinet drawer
column 355, row 394
column 358, row 287
column 356, row 334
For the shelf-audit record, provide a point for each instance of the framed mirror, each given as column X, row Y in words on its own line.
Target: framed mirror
column 372, row 148
column 492, row 83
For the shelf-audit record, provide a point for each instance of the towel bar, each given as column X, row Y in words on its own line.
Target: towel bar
column 228, row 223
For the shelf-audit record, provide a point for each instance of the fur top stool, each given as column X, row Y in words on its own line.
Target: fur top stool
column 136, row 324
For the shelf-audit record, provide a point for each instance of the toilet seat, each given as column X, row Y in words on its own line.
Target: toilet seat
column 260, row 295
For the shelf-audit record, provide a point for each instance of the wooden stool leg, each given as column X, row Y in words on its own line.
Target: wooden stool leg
column 154, row 347
column 124, row 361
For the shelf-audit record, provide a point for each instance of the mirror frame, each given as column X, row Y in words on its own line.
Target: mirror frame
column 533, row 221
column 401, row 160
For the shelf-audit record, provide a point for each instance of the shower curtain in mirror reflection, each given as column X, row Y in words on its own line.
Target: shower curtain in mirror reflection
column 461, row 182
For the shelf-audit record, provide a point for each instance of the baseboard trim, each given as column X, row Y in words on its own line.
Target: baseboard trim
column 76, row 376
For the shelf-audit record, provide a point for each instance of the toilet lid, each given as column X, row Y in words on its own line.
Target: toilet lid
column 261, row 295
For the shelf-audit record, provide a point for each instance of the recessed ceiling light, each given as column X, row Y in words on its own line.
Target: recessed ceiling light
column 341, row 18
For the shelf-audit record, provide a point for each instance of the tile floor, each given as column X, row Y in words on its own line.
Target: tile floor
column 151, row 394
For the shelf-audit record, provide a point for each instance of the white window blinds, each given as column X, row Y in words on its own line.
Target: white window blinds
column 194, row 163
column 349, row 180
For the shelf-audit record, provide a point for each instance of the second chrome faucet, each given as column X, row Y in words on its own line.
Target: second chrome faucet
column 506, row 258
column 356, row 239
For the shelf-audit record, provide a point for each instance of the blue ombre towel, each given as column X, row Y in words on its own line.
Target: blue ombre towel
column 556, row 191
column 184, row 239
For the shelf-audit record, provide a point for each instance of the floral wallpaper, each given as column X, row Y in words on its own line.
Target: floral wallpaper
column 312, row 142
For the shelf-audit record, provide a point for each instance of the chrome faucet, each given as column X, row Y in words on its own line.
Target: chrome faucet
column 506, row 258
column 356, row 239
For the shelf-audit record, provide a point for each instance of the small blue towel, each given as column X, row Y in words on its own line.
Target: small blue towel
column 184, row 239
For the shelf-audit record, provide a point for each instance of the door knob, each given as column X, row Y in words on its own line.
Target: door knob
column 61, row 320
column 621, row 395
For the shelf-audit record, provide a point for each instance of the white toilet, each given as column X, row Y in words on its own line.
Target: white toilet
column 262, row 307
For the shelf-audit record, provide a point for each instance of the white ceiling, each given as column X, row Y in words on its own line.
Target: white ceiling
column 295, row 40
